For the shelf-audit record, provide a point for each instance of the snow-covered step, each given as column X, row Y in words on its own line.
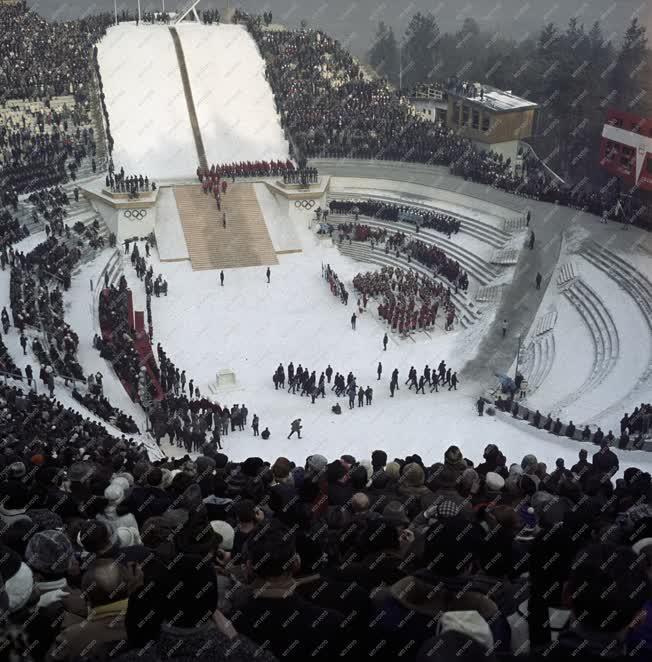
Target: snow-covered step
column 540, row 358
column 545, row 323
column 604, row 334
column 566, row 274
column 515, row 224
column 489, row 294
column 474, row 265
column 505, row 256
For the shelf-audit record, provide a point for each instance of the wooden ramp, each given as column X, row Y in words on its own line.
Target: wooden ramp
column 244, row 242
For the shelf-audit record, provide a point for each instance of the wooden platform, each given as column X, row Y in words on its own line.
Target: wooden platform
column 244, row 242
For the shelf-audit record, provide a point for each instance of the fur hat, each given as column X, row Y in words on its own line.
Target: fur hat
column 453, row 458
column 529, row 463
column 226, row 532
column 80, row 472
column 17, row 579
column 114, row 494
column 639, row 546
column 45, row 519
column 128, row 536
column 393, row 470
column 413, row 475
column 49, row 552
column 468, row 623
column 16, row 470
column 494, row 482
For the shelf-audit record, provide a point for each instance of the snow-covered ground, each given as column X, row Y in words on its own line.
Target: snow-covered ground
column 147, row 107
column 233, row 101
column 250, row 327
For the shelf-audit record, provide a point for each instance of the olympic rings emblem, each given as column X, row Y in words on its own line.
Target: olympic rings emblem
column 304, row 204
column 136, row 214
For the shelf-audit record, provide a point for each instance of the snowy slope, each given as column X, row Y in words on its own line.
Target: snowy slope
column 145, row 100
column 233, row 101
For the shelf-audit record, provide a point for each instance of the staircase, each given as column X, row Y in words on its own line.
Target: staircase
column 244, row 242
column 192, row 114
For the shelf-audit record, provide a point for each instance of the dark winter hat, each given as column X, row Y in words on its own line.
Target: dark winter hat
column 191, row 593
column 442, row 475
column 221, row 460
column 394, row 514
column 14, row 494
column 81, row 472
column 453, row 458
column 252, row 466
column 335, row 471
column 378, row 459
column 45, row 519
column 49, row 552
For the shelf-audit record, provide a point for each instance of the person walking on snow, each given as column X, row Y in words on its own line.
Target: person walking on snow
column 531, row 240
column 295, row 427
column 254, row 424
column 222, row 278
column 353, row 319
column 23, row 343
column 480, row 403
column 269, row 273
column 385, row 339
column 454, row 382
column 538, row 281
column 504, row 328
column 379, row 370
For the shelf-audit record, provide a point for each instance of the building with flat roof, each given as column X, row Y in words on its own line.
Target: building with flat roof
column 430, row 102
column 493, row 119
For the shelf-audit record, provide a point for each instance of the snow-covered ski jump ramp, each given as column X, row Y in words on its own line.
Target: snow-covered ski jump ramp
column 147, row 108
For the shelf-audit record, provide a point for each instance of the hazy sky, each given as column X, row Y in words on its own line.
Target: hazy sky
column 354, row 21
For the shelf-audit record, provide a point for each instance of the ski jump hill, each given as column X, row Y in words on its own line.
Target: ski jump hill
column 143, row 76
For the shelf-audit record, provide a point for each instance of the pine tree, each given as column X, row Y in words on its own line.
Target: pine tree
column 383, row 55
column 628, row 74
column 420, row 51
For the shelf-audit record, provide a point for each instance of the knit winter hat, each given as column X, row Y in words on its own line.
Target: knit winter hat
column 317, row 462
column 494, row 482
column 114, row 494
column 49, row 552
column 226, row 532
column 413, row 475
column 17, row 579
column 453, row 457
column 393, row 470
column 529, row 463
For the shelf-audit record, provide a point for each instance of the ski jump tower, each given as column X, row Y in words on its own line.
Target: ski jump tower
column 188, row 7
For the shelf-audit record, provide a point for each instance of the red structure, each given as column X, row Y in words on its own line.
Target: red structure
column 626, row 149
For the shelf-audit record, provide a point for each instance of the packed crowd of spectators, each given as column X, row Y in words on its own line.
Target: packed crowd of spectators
column 639, row 421
column 41, row 58
column 330, row 110
column 407, row 301
column 106, row 554
column 388, row 211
